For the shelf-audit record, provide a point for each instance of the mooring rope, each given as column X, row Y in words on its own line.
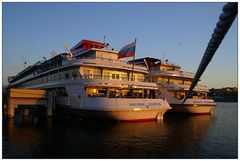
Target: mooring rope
column 225, row 21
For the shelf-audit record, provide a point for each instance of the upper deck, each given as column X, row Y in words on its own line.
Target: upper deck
column 103, row 58
column 160, row 68
column 171, row 73
column 184, row 87
column 92, row 57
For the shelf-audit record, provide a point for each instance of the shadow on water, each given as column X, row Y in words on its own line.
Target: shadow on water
column 60, row 137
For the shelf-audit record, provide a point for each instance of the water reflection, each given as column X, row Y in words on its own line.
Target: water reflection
column 19, row 137
column 186, row 133
column 174, row 137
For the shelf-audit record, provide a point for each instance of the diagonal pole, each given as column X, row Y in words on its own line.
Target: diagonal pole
column 225, row 21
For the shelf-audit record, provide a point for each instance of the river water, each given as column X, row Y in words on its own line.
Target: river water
column 177, row 136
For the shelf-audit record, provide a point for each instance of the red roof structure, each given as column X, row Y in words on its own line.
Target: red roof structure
column 88, row 44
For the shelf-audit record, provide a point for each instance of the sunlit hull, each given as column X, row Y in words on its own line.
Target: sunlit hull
column 192, row 108
column 118, row 115
column 120, row 109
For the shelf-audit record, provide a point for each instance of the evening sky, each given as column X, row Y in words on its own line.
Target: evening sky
column 179, row 30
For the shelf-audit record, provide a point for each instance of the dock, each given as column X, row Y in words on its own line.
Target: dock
column 29, row 98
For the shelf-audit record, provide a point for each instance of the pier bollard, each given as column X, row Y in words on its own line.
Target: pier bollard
column 50, row 103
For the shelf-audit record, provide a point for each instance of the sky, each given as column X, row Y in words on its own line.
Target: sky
column 179, row 31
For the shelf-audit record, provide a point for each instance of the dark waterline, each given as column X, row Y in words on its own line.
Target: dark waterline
column 177, row 136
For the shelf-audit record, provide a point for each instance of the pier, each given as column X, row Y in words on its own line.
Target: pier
column 29, row 98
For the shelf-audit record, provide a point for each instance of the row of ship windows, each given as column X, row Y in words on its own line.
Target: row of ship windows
column 97, row 75
column 174, row 82
column 110, row 75
column 76, row 75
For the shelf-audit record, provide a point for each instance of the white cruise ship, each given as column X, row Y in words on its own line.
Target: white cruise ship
column 90, row 81
column 173, row 84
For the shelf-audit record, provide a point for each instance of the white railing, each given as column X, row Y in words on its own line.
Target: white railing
column 184, row 87
column 106, row 62
column 94, row 79
column 172, row 73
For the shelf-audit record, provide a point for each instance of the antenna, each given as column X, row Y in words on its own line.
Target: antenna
column 53, row 53
column 163, row 56
column 104, row 41
column 24, row 62
column 67, row 48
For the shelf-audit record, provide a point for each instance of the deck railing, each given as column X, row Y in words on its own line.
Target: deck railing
column 172, row 73
column 90, row 76
column 107, row 62
column 184, row 87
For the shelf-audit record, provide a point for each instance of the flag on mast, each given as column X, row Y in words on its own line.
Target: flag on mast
column 127, row 50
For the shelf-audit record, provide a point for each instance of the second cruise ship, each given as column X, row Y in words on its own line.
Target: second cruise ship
column 173, row 84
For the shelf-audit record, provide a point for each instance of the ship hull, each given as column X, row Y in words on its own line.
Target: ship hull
column 121, row 109
column 123, row 115
column 190, row 106
column 191, row 109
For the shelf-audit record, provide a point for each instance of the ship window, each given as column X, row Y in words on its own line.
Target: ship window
column 96, row 92
column 67, row 75
column 96, row 74
column 86, row 73
column 74, row 75
column 162, row 81
column 132, row 77
column 171, row 81
column 187, row 82
column 117, row 76
column 124, row 76
column 140, row 78
column 64, row 92
column 106, row 75
column 175, row 81
column 113, row 76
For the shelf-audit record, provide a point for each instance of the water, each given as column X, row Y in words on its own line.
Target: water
column 177, row 136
